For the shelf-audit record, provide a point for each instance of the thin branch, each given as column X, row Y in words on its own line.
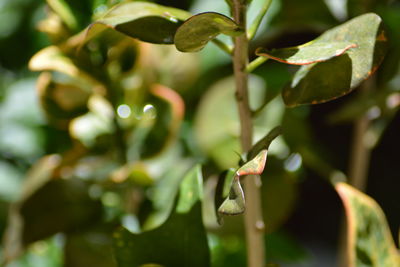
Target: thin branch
column 255, row 64
column 254, row 224
column 257, row 21
column 224, row 47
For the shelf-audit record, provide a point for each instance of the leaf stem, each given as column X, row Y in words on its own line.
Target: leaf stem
column 257, row 21
column 224, row 47
column 254, row 224
column 255, row 64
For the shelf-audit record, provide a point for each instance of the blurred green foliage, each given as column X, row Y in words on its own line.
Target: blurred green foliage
column 104, row 135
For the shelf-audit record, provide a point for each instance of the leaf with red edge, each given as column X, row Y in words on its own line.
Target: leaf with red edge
column 254, row 166
column 324, row 81
column 311, row 52
column 369, row 241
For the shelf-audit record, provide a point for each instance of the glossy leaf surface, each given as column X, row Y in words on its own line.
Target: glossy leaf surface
column 145, row 21
column 312, row 52
column 324, row 81
column 369, row 241
column 198, row 30
column 180, row 241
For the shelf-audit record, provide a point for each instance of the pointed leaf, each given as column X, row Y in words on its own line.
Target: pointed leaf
column 254, row 166
column 145, row 21
column 369, row 241
column 311, row 52
column 180, row 241
column 235, row 203
column 324, row 81
column 198, row 30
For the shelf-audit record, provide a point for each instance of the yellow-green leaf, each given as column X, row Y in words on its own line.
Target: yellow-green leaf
column 369, row 241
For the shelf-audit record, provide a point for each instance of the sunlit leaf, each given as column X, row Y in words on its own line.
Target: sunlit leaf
column 255, row 165
column 198, row 30
column 180, row 241
column 311, row 52
column 369, row 241
column 324, row 81
column 235, row 203
column 145, row 21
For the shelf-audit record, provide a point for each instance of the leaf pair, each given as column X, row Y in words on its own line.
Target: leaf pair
column 158, row 24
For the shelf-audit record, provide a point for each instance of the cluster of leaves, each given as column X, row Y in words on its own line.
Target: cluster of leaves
column 116, row 193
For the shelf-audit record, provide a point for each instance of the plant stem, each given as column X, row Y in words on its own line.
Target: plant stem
column 253, row 216
column 255, row 63
column 224, row 47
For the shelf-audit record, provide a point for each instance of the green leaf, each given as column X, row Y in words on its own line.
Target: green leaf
column 369, row 241
column 198, row 30
column 235, row 203
column 58, row 206
column 180, row 241
column 254, row 166
column 324, row 81
column 145, row 21
column 311, row 52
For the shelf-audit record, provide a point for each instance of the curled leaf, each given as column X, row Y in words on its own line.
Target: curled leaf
column 254, row 166
column 234, row 204
column 198, row 30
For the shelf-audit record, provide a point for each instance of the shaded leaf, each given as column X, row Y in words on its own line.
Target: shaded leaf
column 58, row 206
column 254, row 166
column 222, row 190
column 198, row 30
column 235, row 203
column 369, row 241
column 145, row 21
column 311, row 52
column 92, row 248
column 180, row 241
column 324, row 81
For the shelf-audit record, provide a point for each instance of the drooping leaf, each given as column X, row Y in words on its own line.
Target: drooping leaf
column 254, row 166
column 369, row 241
column 234, row 204
column 324, row 81
column 145, row 21
column 180, row 241
column 198, row 30
column 311, row 52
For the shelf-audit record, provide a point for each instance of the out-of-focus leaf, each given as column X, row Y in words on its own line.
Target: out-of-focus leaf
column 180, row 241
column 88, row 127
column 234, row 204
column 52, row 58
column 317, row 83
column 311, row 52
column 369, row 241
column 61, row 101
column 92, row 248
column 65, row 12
column 198, row 30
column 283, row 248
column 254, row 166
column 145, row 21
column 217, row 123
column 58, row 206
